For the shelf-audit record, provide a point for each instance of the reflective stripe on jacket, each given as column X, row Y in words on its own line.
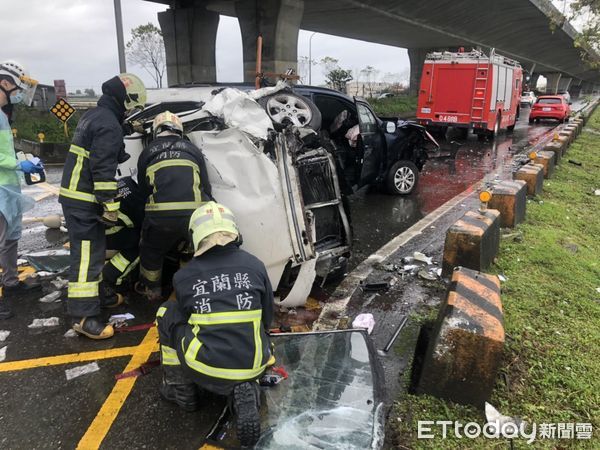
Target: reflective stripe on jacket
column 91, row 164
column 172, row 175
column 227, row 297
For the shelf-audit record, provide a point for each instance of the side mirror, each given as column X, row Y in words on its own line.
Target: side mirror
column 390, row 127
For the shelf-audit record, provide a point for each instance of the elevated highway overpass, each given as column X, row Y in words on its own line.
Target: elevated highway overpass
column 516, row 28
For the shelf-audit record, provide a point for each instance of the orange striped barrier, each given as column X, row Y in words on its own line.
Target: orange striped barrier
column 546, row 159
column 510, row 199
column 472, row 241
column 533, row 175
column 458, row 358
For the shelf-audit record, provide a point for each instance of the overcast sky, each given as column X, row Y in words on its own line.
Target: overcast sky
column 75, row 40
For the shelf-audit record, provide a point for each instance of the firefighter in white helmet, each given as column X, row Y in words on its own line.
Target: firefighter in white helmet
column 172, row 177
column 15, row 87
column 88, row 195
column 214, row 336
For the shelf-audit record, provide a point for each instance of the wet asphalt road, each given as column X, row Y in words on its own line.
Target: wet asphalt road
column 41, row 409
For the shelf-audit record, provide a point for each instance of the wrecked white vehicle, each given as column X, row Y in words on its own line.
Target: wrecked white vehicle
column 282, row 185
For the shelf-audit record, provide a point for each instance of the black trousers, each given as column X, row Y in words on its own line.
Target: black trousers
column 160, row 235
column 88, row 250
column 127, row 242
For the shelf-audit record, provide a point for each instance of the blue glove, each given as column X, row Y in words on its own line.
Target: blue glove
column 29, row 167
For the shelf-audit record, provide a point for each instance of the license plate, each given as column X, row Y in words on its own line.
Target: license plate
column 451, row 119
column 546, row 109
column 426, row 110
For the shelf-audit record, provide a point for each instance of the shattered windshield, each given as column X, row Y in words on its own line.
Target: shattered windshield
column 332, row 398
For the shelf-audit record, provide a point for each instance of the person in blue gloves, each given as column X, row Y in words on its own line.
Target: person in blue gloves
column 15, row 85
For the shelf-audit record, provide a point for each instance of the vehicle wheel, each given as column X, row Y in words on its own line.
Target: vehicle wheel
column 285, row 107
column 511, row 128
column 402, row 178
column 530, row 120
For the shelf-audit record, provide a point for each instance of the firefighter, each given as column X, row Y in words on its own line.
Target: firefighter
column 124, row 237
column 88, row 196
column 214, row 335
column 15, row 85
column 172, row 176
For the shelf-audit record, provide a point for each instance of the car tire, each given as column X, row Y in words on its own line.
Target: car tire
column 301, row 111
column 402, row 178
column 530, row 120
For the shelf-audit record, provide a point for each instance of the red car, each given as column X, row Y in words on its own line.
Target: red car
column 550, row 107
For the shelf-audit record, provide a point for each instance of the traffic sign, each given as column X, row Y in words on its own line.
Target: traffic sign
column 62, row 110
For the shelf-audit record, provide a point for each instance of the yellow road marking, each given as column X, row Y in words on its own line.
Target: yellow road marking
column 100, row 426
column 11, row 366
column 210, row 447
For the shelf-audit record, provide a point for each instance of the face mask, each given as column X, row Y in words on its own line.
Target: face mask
column 17, row 98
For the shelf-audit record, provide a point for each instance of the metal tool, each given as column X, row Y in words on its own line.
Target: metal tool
column 388, row 346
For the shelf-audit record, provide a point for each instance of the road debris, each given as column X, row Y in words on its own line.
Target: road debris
column 375, row 286
column 70, row 333
column 3, row 353
column 81, row 370
column 366, row 321
column 51, row 297
column 577, row 163
column 597, row 192
column 40, row 323
column 501, row 425
column 427, row 275
column 3, row 335
column 119, row 320
column 49, row 260
column 392, row 339
column 421, row 257
column 502, row 278
column 59, row 283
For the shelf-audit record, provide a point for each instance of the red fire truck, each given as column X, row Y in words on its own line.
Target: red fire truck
column 469, row 90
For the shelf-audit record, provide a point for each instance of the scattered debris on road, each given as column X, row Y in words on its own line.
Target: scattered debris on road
column 366, row 321
column 40, row 323
column 3, row 353
column 51, row 297
column 81, row 370
column 119, row 320
column 3, row 335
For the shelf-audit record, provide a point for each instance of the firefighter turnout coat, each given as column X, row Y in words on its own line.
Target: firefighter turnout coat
column 91, row 164
column 172, row 176
column 226, row 297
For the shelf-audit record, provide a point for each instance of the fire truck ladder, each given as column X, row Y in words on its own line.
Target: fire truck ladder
column 479, row 90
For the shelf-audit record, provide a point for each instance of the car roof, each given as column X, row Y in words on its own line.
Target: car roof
column 550, row 96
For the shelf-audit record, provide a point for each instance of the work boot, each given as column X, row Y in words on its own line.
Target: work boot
column 153, row 295
column 92, row 327
column 21, row 288
column 5, row 312
column 246, row 402
column 178, row 389
column 109, row 297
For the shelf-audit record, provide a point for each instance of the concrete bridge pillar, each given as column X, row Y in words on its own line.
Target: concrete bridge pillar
column 564, row 84
column 190, row 34
column 552, row 81
column 416, row 57
column 279, row 23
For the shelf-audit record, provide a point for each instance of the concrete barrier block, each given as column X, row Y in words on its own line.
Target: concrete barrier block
column 564, row 140
column 574, row 128
column 458, row 358
column 567, row 134
column 578, row 122
column 546, row 159
column 472, row 241
column 533, row 175
column 510, row 199
column 556, row 148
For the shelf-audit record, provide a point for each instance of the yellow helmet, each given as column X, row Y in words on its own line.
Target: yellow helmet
column 136, row 91
column 210, row 218
column 167, row 121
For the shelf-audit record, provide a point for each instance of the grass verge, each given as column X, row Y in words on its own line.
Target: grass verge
column 30, row 121
column 551, row 367
column 394, row 106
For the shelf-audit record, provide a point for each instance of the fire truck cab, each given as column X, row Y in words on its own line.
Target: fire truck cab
column 469, row 90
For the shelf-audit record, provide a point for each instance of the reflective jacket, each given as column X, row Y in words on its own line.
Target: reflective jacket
column 227, row 296
column 172, row 176
column 131, row 211
column 91, row 164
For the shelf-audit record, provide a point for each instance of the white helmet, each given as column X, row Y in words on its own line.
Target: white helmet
column 18, row 73
column 20, row 78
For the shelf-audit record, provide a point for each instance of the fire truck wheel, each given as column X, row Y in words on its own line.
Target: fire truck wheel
column 511, row 128
column 530, row 120
column 402, row 178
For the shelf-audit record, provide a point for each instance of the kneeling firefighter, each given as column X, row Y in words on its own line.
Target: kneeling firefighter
column 214, row 335
column 172, row 177
column 88, row 197
column 124, row 237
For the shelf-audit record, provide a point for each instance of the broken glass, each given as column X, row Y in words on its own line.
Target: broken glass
column 332, row 399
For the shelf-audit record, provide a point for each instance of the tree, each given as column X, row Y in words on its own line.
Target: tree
column 304, row 65
column 369, row 73
column 586, row 15
column 89, row 92
column 147, row 50
column 337, row 78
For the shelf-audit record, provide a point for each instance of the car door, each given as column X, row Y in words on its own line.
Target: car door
column 371, row 143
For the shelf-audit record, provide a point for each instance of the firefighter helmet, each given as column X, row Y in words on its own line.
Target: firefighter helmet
column 167, row 121
column 20, row 78
column 210, row 218
column 135, row 91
